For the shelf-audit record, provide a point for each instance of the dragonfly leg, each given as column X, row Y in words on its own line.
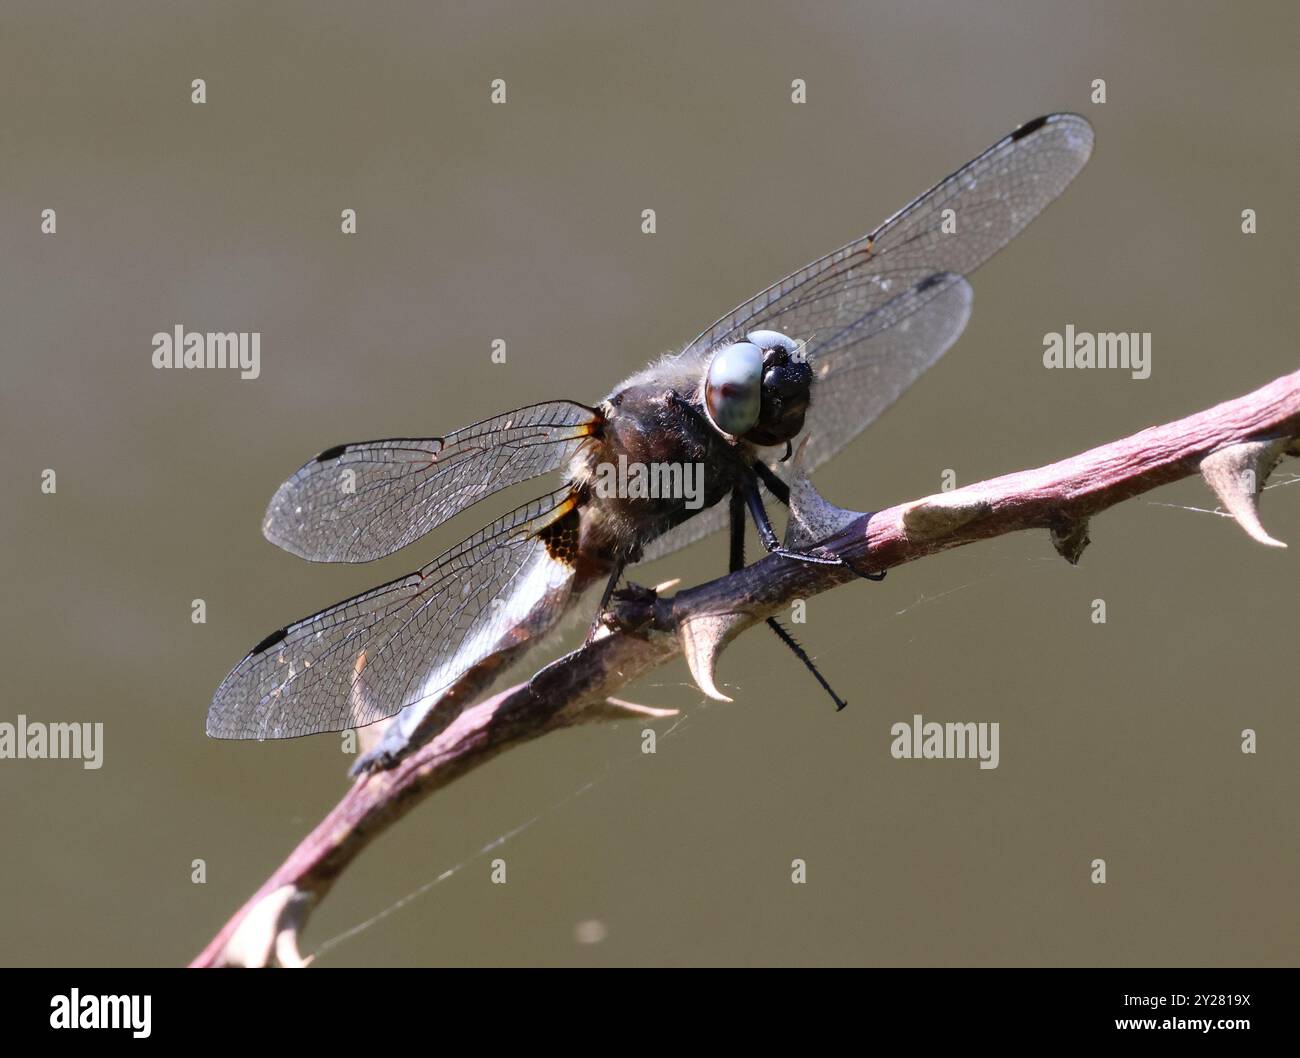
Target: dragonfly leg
column 775, row 485
column 737, row 530
column 799, row 652
column 738, row 562
column 606, row 595
column 781, row 491
column 768, row 535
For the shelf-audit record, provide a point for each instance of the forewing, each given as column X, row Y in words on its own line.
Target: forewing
column 862, row 369
column 404, row 642
column 992, row 198
column 358, row 502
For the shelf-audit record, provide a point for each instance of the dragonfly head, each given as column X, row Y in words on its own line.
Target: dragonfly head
column 758, row 389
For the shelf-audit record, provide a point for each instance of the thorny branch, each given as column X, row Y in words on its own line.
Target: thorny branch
column 1234, row 445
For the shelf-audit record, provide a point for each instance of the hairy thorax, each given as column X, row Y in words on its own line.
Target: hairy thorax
column 664, row 432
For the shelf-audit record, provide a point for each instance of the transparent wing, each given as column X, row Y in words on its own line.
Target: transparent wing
column 905, row 275
column 991, row 198
column 358, row 502
column 862, row 369
column 410, row 640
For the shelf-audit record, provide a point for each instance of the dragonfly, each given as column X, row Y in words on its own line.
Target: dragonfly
column 816, row 357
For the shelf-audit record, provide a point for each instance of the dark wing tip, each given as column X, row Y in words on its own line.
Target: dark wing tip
column 278, row 636
column 1030, row 127
column 331, row 453
column 934, row 280
column 1065, row 118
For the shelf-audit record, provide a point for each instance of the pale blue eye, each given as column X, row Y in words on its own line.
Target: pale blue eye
column 773, row 340
column 733, row 389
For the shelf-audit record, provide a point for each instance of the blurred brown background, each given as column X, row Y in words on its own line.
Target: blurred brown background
column 521, row 222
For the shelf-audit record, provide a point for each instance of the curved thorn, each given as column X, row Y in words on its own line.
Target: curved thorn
column 268, row 931
column 1236, row 475
column 619, row 709
column 286, row 950
column 702, row 641
column 813, row 518
column 1070, row 538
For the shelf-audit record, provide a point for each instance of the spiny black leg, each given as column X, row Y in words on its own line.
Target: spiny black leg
column 738, row 562
column 604, row 600
column 775, row 485
column 802, row 655
column 768, row 535
column 737, row 530
column 781, row 491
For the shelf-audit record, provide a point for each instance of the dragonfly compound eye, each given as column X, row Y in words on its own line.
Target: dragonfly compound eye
column 733, row 388
column 766, row 340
